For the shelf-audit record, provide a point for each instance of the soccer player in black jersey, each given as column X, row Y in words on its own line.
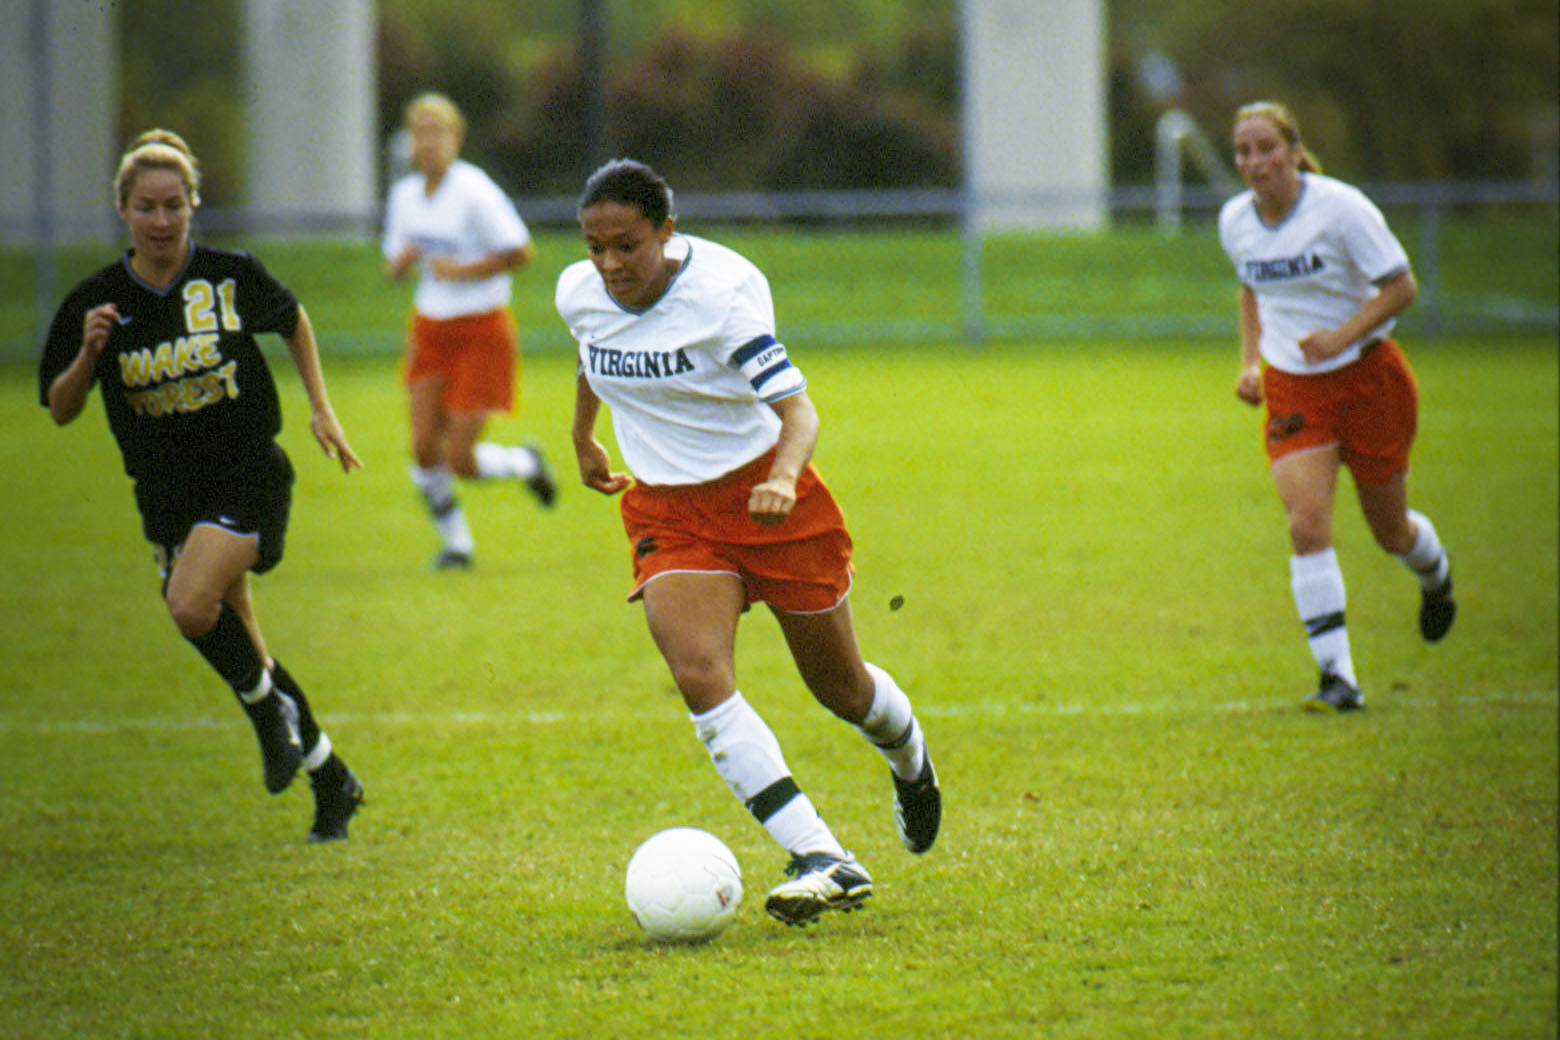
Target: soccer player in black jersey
column 168, row 334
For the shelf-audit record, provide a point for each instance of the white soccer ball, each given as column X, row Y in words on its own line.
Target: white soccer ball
column 683, row 885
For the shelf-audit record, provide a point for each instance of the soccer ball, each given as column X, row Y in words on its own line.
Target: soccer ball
column 683, row 885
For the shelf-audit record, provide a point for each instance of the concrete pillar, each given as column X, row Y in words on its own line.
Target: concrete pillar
column 59, row 74
column 311, row 114
column 1036, row 147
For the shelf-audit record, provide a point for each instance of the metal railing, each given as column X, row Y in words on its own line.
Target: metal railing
column 948, row 207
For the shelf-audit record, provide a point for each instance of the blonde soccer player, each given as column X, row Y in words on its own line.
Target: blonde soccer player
column 451, row 225
column 167, row 335
column 1322, row 282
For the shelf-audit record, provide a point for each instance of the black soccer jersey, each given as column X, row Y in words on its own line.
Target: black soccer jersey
column 184, row 383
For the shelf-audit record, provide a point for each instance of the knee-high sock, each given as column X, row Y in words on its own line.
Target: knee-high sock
column 501, row 460
column 1427, row 558
column 892, row 727
column 437, row 485
column 1317, row 582
column 747, row 756
column 228, row 649
column 315, row 742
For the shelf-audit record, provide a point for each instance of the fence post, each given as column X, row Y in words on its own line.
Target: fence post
column 1430, row 268
column 970, row 289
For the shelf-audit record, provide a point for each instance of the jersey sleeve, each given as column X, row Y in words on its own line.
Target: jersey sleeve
column 497, row 223
column 1371, row 244
column 394, row 238
column 62, row 344
column 265, row 304
column 752, row 346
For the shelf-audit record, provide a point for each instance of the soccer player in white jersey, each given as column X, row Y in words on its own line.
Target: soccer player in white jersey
column 1322, row 281
column 452, row 224
column 677, row 335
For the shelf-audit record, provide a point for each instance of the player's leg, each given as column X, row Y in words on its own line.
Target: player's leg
column 1412, row 538
column 432, row 474
column 482, row 383
column 693, row 619
column 1380, row 438
column 337, row 790
column 209, row 573
column 1307, row 484
column 472, row 458
column 823, row 645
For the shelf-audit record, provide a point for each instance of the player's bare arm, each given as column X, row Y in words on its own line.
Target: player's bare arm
column 595, row 464
column 772, row 501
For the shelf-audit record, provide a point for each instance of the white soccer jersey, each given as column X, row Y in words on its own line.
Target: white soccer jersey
column 690, row 379
column 1314, row 270
column 467, row 218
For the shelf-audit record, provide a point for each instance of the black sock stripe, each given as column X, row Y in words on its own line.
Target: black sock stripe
column 1318, row 626
column 773, row 798
column 903, row 739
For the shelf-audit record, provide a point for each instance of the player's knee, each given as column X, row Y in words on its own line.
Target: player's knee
column 1396, row 538
column 195, row 617
column 702, row 680
column 847, row 694
column 1309, row 532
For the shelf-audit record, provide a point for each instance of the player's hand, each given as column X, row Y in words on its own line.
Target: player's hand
column 327, row 431
column 448, row 270
column 1321, row 345
column 772, row 501
column 596, row 469
column 96, row 326
column 1249, row 387
column 404, row 261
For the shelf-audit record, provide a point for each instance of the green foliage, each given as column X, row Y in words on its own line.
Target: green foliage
column 749, row 94
column 1406, row 89
column 738, row 109
column 1145, row 837
column 178, row 68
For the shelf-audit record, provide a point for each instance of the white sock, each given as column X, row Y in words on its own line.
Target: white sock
column 747, row 756
column 892, row 727
column 498, row 460
column 1427, row 558
column 1317, row 583
column 437, row 484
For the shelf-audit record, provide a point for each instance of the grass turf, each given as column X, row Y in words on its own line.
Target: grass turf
column 1144, row 836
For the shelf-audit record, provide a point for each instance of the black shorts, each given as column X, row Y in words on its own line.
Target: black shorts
column 250, row 498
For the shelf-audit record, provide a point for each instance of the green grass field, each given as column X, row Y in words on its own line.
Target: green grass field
column 1144, row 836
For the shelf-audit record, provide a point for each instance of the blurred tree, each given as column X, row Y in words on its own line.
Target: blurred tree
column 747, row 94
column 177, row 71
column 1396, row 89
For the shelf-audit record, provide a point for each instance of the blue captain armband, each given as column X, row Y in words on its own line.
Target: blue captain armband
column 767, row 368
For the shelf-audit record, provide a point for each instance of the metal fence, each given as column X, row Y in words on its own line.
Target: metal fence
column 1169, row 212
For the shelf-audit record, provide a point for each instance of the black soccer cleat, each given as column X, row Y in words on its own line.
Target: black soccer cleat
column 918, row 807
column 452, row 560
column 1334, row 694
column 541, row 483
column 820, row 881
column 337, row 795
column 275, row 719
column 1437, row 611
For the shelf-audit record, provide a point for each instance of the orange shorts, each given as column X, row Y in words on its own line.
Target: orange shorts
column 474, row 356
column 801, row 566
column 1370, row 409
